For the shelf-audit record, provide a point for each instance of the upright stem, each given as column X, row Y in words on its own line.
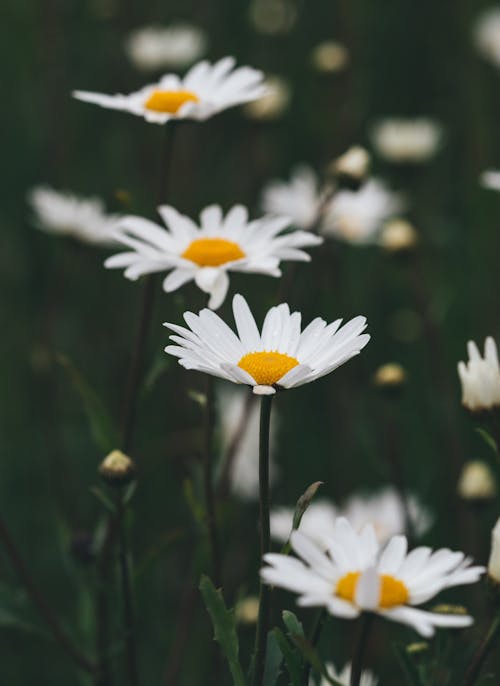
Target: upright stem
column 265, row 540
column 211, row 517
column 316, row 630
column 38, row 600
column 482, row 653
column 359, row 652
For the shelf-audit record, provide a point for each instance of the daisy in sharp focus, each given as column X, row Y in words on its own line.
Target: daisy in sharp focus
column 205, row 90
column 280, row 356
column 480, row 377
column 300, row 198
column 206, row 253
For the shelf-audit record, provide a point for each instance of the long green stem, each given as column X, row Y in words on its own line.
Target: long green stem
column 265, row 540
column 211, row 515
column 359, row 652
column 316, row 630
column 482, row 653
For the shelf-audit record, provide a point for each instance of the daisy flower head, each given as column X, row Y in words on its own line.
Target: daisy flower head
column 356, row 575
column 66, row 214
column 205, row 90
column 409, row 141
column 158, row 47
column 300, row 198
column 281, row 356
column 207, row 252
column 480, row 377
column 358, row 216
column 344, row 677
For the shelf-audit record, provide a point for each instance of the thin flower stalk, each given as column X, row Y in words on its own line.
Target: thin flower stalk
column 359, row 653
column 211, row 514
column 484, row 649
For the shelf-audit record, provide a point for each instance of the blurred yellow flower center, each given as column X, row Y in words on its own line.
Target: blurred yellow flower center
column 169, row 102
column 267, row 368
column 212, row 252
column 392, row 591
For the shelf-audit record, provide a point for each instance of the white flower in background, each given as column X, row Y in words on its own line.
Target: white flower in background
column 356, row 574
column 480, row 377
column 244, row 476
column 398, row 235
column 205, row 90
column 300, row 198
column 330, row 56
column 159, row 47
column 490, row 179
column 494, row 561
column 273, row 104
column 477, row 481
column 281, row 356
column 316, row 522
column 344, row 677
column 487, row 35
column 407, row 140
column 206, row 253
column 66, row 214
column 358, row 216
column 352, row 165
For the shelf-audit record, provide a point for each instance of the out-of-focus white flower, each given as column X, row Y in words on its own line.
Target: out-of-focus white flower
column 344, row 677
column 494, row 561
column 244, row 476
column 281, row 356
column 357, row 216
column 274, row 103
column 480, row 377
column 207, row 253
column 490, row 179
column 407, row 140
column 329, row 56
column 390, row 375
column 487, row 35
column 300, row 198
column 398, row 235
column 477, row 481
column 160, row 47
column 205, row 90
column 272, row 17
column 356, row 574
column 66, row 214
column 316, row 522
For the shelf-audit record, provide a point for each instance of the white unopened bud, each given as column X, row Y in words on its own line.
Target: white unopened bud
column 477, row 481
column 353, row 164
column 494, row 561
column 329, row 56
column 247, row 610
column 398, row 235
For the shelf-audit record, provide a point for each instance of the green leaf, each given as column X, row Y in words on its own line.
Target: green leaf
column 103, row 431
column 488, row 439
column 224, row 628
column 291, row 657
column 273, row 661
column 103, row 498
column 293, row 625
column 408, row 665
column 310, row 654
column 196, row 508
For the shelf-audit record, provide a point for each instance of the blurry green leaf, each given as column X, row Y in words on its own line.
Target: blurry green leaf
column 9, row 620
column 488, row 439
column 197, row 509
column 103, row 498
column 197, row 397
column 224, row 628
column 311, row 655
column 158, row 368
column 129, row 493
column 101, row 425
column 293, row 625
column 273, row 661
column 291, row 657
column 300, row 508
column 408, row 665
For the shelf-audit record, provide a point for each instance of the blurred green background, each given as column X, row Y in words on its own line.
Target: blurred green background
column 407, row 59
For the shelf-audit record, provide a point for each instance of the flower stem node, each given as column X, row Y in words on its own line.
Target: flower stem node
column 390, row 377
column 477, row 482
column 117, row 469
column 351, row 168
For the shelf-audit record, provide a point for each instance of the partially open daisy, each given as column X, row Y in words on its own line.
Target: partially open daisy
column 356, row 575
column 205, row 90
column 281, row 356
column 206, row 253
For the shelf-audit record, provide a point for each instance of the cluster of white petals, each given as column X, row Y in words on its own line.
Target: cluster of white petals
column 406, row 140
column 487, row 35
column 160, row 47
column 480, row 377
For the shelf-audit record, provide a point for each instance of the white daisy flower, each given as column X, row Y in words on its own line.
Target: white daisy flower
column 281, row 356
column 206, row 253
column 494, row 560
column 487, row 35
column 407, row 140
column 490, row 179
column 66, row 214
column 317, row 521
column 358, row 216
column 158, row 47
column 300, row 198
column 355, row 575
column 244, row 477
column 480, row 377
column 344, row 677
column 205, row 90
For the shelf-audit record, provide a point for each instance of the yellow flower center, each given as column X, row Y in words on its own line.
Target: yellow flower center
column 267, row 368
column 169, row 101
column 392, row 591
column 212, row 252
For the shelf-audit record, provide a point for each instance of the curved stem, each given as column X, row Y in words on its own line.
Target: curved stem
column 265, row 540
column 211, row 516
column 45, row 610
column 482, row 653
column 359, row 652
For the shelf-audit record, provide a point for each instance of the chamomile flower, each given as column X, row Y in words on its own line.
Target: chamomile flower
column 66, row 214
column 160, row 47
column 281, row 356
column 410, row 141
column 205, row 90
column 206, row 253
column 300, row 198
column 356, row 575
column 480, row 377
column 344, row 677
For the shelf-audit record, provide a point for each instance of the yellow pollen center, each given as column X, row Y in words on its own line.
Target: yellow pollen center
column 267, row 368
column 212, row 252
column 392, row 591
column 169, row 101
